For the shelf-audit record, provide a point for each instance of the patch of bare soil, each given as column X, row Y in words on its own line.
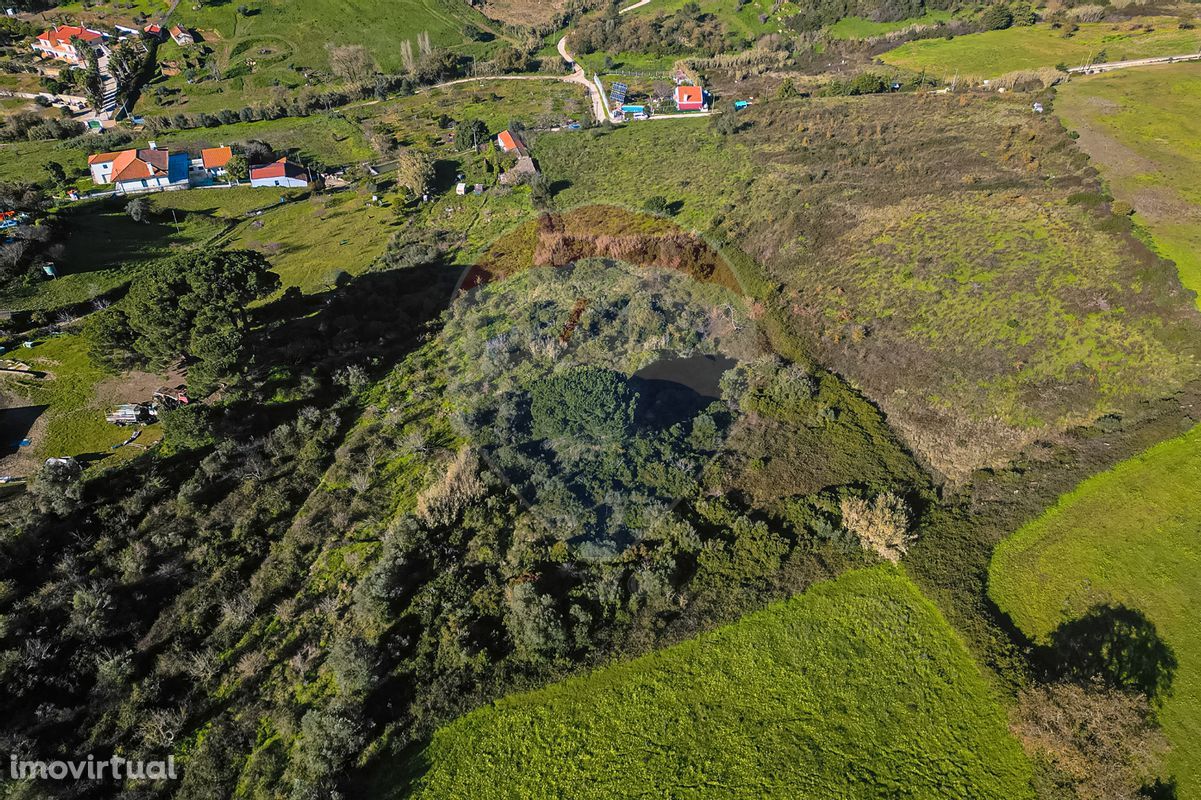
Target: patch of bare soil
column 133, row 387
column 1164, row 204
column 1120, row 159
column 525, row 13
column 556, row 240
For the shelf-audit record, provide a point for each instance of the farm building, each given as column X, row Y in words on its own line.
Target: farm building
column 140, row 170
column 524, row 169
column 689, row 98
column 279, row 173
column 182, row 36
column 59, row 43
column 508, row 142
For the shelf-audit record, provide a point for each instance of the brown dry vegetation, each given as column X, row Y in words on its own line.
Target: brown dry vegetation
column 524, row 13
column 955, row 259
column 556, row 240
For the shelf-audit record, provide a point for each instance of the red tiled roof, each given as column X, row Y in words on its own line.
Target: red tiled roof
column 61, row 34
column 507, row 142
column 690, row 94
column 153, row 29
column 132, row 165
column 215, row 157
column 278, row 169
column 102, row 158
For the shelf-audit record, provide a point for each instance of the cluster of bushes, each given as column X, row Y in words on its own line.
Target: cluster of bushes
column 190, row 310
column 25, row 126
column 688, row 30
column 438, row 66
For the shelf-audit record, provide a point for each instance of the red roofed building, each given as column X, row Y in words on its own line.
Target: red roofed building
column 279, row 173
column 182, row 36
column 508, row 142
column 140, row 170
column 214, row 159
column 58, row 43
column 154, row 32
column 689, row 98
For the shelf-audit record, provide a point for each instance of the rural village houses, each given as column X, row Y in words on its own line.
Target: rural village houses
column 159, row 169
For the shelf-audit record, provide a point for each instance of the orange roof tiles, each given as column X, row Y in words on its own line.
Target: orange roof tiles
column 215, row 157
column 61, row 34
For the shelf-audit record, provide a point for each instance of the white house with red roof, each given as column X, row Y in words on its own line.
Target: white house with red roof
column 182, row 36
column 689, row 98
column 140, row 170
column 279, row 173
column 59, row 43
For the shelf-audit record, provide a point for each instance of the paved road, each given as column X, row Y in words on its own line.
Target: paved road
column 639, row 4
column 1138, row 62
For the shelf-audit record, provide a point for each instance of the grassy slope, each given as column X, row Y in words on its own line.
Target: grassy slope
column 961, row 384
column 1130, row 535
column 1142, row 129
column 306, row 242
column 75, row 423
column 857, row 688
column 862, row 28
column 994, row 53
column 306, row 27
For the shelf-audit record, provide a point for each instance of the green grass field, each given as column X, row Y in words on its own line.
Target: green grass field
column 1133, row 536
column 73, row 421
column 995, row 53
column 305, row 28
column 1142, row 128
column 308, row 241
column 857, row 688
column 861, row 28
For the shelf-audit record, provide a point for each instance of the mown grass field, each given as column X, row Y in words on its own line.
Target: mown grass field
column 857, row 688
column 104, row 248
column 1142, row 128
column 994, row 53
column 1131, row 535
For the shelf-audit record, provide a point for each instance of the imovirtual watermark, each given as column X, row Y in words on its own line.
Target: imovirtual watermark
column 93, row 769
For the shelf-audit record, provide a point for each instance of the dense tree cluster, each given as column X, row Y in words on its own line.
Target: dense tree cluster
column 191, row 309
column 688, row 30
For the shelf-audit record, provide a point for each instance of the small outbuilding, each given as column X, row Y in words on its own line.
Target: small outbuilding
column 182, row 36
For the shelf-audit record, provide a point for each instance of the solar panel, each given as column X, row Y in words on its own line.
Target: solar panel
column 618, row 96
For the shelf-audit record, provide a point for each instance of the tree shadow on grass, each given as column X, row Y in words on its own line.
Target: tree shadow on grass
column 1115, row 643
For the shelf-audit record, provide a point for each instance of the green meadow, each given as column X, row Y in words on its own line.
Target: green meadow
column 994, row 53
column 73, row 419
column 1142, row 128
column 303, row 29
column 857, row 688
column 863, row 28
column 1132, row 536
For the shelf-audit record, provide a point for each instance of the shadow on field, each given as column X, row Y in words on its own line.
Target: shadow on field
column 1115, row 643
